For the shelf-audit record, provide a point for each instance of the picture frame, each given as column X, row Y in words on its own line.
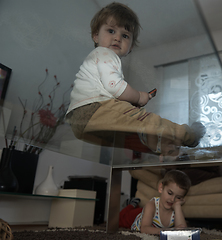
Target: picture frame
column 5, row 73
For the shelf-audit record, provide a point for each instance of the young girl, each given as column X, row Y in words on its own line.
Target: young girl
column 104, row 106
column 160, row 212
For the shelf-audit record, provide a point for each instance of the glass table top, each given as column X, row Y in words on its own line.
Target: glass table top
column 177, row 54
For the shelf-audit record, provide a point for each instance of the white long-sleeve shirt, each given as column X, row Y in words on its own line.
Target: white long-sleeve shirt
column 100, row 78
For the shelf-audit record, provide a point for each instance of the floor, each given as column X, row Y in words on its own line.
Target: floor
column 198, row 223
column 28, row 227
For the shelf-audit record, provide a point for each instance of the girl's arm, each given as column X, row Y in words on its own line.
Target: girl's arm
column 135, row 97
column 179, row 221
column 146, row 224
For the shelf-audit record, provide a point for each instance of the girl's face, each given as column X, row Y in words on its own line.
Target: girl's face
column 170, row 194
column 118, row 39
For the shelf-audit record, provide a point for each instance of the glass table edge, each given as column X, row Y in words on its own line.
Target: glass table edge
column 193, row 163
column 49, row 197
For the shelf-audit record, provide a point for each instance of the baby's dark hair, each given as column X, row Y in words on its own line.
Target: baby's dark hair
column 123, row 16
column 178, row 177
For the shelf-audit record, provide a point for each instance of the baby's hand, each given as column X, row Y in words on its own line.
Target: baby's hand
column 144, row 98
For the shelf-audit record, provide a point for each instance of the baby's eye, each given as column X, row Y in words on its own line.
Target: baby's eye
column 170, row 193
column 110, row 30
column 125, row 36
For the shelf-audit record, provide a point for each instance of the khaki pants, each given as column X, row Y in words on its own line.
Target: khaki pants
column 108, row 123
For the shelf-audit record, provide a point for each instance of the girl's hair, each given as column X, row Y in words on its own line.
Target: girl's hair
column 178, row 177
column 123, row 16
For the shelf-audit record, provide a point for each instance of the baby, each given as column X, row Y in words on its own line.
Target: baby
column 104, row 107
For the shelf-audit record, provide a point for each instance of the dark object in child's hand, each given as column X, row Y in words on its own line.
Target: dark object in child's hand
column 153, row 92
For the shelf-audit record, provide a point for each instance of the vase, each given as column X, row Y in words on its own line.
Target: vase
column 8, row 180
column 24, row 165
column 48, row 186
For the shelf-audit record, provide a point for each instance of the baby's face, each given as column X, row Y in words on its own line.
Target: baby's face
column 116, row 38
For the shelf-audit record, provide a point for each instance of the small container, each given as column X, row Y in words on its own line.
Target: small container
column 180, row 234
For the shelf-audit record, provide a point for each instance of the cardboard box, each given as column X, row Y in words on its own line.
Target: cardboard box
column 182, row 234
column 73, row 212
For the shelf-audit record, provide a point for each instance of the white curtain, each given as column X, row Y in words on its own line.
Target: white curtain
column 205, row 97
column 192, row 91
column 173, row 93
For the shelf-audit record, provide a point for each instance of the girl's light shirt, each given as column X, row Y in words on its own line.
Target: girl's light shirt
column 136, row 226
column 100, row 78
